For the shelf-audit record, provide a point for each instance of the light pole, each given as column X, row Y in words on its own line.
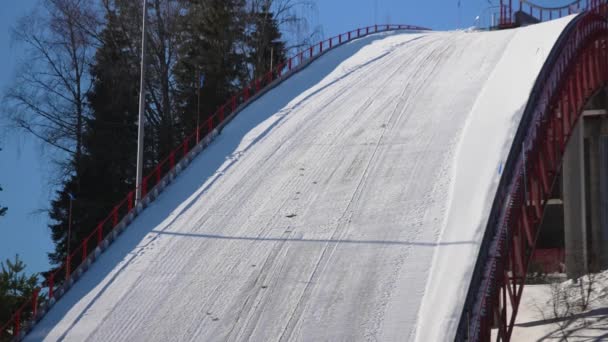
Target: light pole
column 68, row 262
column 142, row 105
column 272, row 45
column 199, row 82
column 198, row 104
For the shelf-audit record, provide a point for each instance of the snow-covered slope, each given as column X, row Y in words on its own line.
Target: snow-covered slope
column 346, row 204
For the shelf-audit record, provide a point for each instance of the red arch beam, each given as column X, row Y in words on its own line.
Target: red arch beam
column 579, row 70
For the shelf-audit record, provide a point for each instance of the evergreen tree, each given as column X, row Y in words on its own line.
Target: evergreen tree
column 108, row 164
column 211, row 31
column 264, row 42
column 15, row 288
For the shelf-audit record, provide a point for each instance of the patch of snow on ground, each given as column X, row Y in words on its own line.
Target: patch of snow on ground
column 553, row 312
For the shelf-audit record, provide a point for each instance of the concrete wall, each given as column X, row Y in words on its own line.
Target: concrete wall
column 575, row 220
column 585, row 191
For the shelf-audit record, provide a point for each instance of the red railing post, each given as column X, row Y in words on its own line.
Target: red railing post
column 51, row 282
column 186, row 147
column 348, row 35
column 291, row 59
column 209, row 125
column 144, row 187
column 367, row 30
column 17, row 328
column 376, row 28
column 114, row 217
column 321, row 47
column 311, row 52
column 85, row 248
column 68, row 267
column 340, row 39
column 35, row 302
column 222, row 113
column 358, row 32
column 233, row 100
column 172, row 160
column 130, row 200
column 280, row 70
column 99, row 233
column 331, row 42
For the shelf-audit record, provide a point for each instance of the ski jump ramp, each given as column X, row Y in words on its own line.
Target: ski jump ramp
column 346, row 204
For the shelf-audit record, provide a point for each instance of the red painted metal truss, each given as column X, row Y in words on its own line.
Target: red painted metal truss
column 576, row 69
column 509, row 7
column 61, row 279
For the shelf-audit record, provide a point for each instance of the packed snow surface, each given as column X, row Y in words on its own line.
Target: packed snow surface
column 347, row 204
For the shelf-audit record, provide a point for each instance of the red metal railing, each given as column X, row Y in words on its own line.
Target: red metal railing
column 541, row 13
column 577, row 66
column 55, row 280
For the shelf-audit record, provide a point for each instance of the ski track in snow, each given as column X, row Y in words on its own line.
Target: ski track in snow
column 319, row 214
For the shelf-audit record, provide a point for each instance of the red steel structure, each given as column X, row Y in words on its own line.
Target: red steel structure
column 576, row 69
column 62, row 278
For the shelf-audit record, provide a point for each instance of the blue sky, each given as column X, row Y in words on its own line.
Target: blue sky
column 338, row 16
column 24, row 169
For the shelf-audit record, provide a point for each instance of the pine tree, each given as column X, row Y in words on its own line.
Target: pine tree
column 108, row 164
column 211, row 31
column 15, row 287
column 264, row 42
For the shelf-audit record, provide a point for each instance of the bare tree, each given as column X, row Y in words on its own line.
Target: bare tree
column 569, row 302
column 48, row 96
column 162, row 35
column 562, row 309
column 296, row 18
